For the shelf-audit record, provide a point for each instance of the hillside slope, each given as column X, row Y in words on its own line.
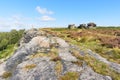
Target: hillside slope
column 42, row 56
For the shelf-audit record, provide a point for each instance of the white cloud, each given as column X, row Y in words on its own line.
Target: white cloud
column 43, row 10
column 14, row 22
column 21, row 22
column 47, row 18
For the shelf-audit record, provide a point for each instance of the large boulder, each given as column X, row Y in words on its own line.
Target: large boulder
column 30, row 34
column 82, row 26
column 71, row 26
column 91, row 24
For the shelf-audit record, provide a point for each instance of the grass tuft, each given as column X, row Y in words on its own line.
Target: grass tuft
column 70, row 76
column 30, row 66
column 58, row 67
column 56, row 58
column 6, row 75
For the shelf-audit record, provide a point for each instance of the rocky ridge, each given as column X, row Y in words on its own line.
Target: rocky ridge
column 42, row 56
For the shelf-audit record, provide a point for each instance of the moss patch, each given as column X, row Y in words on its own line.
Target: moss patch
column 6, row 75
column 70, row 76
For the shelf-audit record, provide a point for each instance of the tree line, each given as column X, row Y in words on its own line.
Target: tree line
column 8, row 38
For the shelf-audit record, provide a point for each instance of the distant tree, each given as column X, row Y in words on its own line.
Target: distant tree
column 8, row 38
column 13, row 36
column 3, row 44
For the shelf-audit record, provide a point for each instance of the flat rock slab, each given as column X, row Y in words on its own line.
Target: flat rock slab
column 44, row 70
column 66, row 55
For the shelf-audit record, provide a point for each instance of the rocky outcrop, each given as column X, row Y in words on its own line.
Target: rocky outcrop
column 82, row 26
column 38, row 56
column 30, row 34
column 71, row 26
column 91, row 24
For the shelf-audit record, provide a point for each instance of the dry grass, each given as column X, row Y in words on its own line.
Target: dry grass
column 56, row 58
column 58, row 67
column 54, row 54
column 6, row 75
column 79, row 63
column 37, row 55
column 94, row 39
column 91, row 39
column 97, row 66
column 70, row 76
column 29, row 66
column 77, row 54
column 101, row 67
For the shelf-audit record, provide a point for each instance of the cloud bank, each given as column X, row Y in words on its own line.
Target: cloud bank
column 45, row 14
column 20, row 22
column 43, row 10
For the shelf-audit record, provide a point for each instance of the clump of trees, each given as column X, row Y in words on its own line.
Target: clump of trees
column 8, row 38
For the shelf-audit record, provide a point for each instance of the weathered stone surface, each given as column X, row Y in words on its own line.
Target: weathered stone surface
column 70, row 67
column 89, row 74
column 66, row 55
column 30, row 34
column 64, row 50
column 43, row 68
column 2, row 66
column 25, row 50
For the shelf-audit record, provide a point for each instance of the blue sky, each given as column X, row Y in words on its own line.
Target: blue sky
column 18, row 14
